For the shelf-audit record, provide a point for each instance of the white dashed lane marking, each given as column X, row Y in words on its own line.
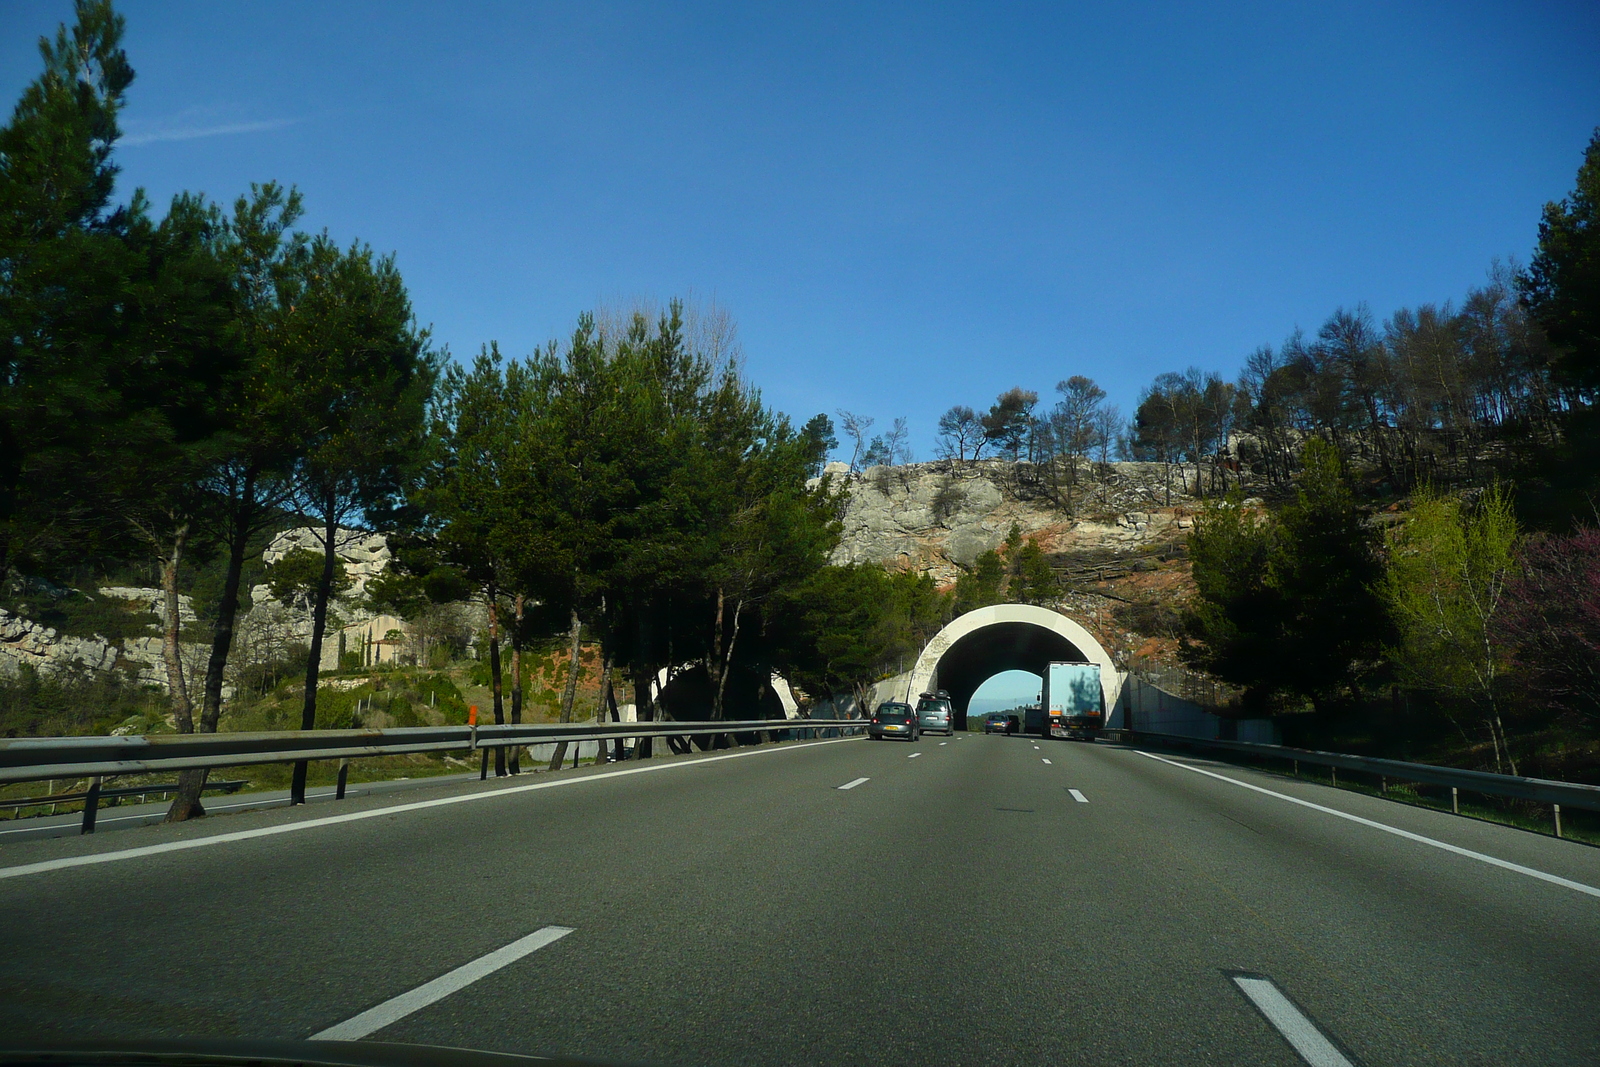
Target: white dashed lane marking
column 393, row 1010
column 1047, row 761
column 852, row 785
column 1303, row 1035
column 914, row 755
column 1079, row 797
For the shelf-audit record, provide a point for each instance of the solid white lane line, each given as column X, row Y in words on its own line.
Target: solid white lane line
column 1079, row 797
column 390, row 1011
column 1553, row 879
column 102, row 820
column 914, row 755
column 1301, row 1033
column 378, row 813
column 1047, row 761
column 852, row 785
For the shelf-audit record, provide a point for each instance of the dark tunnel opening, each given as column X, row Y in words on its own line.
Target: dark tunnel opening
column 1005, row 646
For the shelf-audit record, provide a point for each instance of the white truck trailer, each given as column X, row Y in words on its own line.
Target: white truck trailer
column 1072, row 701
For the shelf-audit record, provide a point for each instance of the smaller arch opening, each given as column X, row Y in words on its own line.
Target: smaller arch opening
column 1003, row 692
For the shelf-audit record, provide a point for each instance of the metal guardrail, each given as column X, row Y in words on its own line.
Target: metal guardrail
column 36, row 759
column 141, row 791
column 1540, row 790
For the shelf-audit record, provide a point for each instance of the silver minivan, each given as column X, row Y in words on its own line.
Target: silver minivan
column 934, row 714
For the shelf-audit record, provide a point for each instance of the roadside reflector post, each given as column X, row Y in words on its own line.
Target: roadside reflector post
column 1383, row 784
column 91, row 805
column 1334, row 773
column 1455, row 801
column 1556, row 809
column 472, row 722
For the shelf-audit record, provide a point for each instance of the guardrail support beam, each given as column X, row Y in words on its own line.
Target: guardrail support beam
column 91, row 806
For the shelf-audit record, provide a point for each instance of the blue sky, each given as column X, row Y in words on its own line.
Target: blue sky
column 903, row 207
column 1004, row 691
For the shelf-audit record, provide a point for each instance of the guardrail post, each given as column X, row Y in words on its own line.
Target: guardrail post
column 344, row 773
column 1334, row 773
column 1556, row 808
column 91, row 806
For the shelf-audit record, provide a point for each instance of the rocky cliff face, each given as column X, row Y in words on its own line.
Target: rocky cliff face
column 937, row 518
column 267, row 626
column 25, row 642
column 934, row 518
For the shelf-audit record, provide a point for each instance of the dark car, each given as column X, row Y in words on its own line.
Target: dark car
column 935, row 715
column 997, row 722
column 893, row 719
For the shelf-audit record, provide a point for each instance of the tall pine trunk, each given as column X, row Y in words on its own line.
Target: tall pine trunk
column 608, row 702
column 516, row 680
column 186, row 802
column 726, row 656
column 171, row 622
column 644, row 706
column 569, row 692
column 716, row 663
column 319, row 620
column 494, row 674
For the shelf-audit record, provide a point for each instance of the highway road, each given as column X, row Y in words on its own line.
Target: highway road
column 977, row 900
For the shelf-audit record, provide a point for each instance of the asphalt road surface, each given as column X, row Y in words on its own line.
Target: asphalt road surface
column 978, row 900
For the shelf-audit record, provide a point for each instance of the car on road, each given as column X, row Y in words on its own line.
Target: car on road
column 935, row 715
column 893, row 719
column 997, row 722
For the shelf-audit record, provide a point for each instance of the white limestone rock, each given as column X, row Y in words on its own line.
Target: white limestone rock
column 25, row 642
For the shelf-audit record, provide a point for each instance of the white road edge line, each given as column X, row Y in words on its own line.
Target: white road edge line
column 263, row 804
column 44, row 866
column 1553, row 879
column 1303, row 1035
column 393, row 1010
column 1079, row 797
column 852, row 785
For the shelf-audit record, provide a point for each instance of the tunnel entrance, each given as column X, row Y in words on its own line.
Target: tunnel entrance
column 985, row 642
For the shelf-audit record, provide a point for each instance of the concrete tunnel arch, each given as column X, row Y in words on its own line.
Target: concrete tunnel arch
column 986, row 641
